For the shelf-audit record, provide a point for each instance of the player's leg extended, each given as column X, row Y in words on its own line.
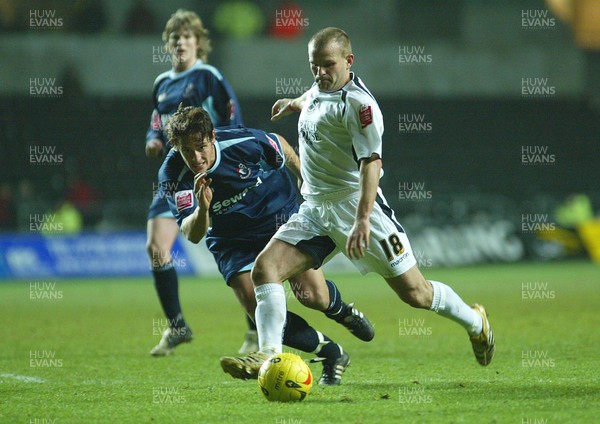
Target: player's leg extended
column 297, row 334
column 313, row 291
column 276, row 263
column 418, row 292
column 161, row 235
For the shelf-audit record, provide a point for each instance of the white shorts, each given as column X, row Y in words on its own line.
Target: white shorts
column 321, row 228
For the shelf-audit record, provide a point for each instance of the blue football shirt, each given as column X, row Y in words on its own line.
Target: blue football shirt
column 252, row 191
column 202, row 85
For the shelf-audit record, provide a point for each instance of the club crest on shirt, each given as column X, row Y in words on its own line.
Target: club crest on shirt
column 161, row 97
column 184, row 199
column 366, row 115
column 312, row 106
column 244, row 171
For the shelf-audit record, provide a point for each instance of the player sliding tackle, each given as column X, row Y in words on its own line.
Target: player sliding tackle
column 231, row 185
column 340, row 129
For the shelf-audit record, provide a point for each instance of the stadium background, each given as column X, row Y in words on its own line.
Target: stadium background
column 491, row 110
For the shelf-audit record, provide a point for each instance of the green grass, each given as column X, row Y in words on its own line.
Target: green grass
column 102, row 330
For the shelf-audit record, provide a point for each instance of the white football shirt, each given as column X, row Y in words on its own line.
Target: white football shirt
column 336, row 130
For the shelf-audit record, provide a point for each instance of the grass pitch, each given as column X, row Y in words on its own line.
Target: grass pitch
column 77, row 351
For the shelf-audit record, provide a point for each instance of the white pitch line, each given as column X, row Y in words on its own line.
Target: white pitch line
column 23, row 378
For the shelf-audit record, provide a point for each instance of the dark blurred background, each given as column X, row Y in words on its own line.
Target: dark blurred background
column 492, row 109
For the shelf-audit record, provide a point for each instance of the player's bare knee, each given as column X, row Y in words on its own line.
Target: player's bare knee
column 264, row 271
column 157, row 255
column 151, row 248
column 258, row 274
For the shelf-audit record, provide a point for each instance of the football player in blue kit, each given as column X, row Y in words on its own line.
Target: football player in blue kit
column 191, row 82
column 231, row 185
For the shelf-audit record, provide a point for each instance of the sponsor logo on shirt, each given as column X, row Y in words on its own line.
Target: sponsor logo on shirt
column 184, row 199
column 309, row 132
column 220, row 207
column 366, row 116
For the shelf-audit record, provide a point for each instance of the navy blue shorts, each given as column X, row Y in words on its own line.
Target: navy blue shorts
column 159, row 207
column 237, row 253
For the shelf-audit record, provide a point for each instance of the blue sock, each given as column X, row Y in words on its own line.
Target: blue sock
column 167, row 288
column 299, row 335
column 336, row 309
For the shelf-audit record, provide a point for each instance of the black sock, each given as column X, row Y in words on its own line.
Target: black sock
column 251, row 325
column 299, row 335
column 336, row 309
column 167, row 288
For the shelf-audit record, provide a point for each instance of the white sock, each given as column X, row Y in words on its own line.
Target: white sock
column 270, row 314
column 448, row 304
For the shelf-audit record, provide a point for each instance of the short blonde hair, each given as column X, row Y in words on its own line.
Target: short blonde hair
column 331, row 34
column 186, row 19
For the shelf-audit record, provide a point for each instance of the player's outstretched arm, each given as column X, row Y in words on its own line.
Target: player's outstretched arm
column 285, row 107
column 358, row 239
column 195, row 226
column 292, row 161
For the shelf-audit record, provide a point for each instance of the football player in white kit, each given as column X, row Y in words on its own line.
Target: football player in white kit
column 340, row 130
